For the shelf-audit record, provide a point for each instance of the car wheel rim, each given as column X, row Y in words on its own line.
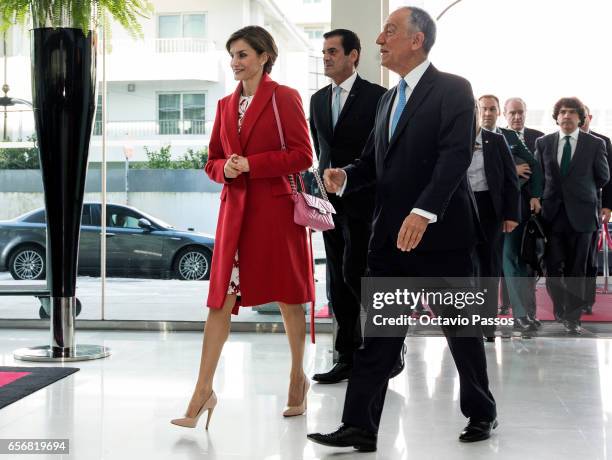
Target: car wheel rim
column 193, row 266
column 28, row 265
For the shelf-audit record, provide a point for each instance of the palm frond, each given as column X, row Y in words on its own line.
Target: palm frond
column 83, row 14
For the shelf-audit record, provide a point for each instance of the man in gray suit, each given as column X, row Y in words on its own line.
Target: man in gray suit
column 575, row 168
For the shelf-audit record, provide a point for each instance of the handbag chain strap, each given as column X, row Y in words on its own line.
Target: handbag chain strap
column 315, row 171
column 284, row 147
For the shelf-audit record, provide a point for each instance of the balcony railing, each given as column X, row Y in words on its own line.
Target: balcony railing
column 183, row 45
column 162, row 46
column 144, row 128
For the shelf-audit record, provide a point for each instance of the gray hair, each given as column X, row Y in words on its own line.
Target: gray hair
column 514, row 99
column 421, row 21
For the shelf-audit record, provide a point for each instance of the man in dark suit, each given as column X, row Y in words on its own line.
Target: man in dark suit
column 424, row 219
column 341, row 118
column 522, row 143
column 492, row 176
column 515, row 112
column 606, row 205
column 575, row 168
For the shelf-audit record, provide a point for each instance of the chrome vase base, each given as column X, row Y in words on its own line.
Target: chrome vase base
column 46, row 353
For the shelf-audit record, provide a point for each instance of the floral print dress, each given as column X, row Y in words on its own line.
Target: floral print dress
column 234, row 284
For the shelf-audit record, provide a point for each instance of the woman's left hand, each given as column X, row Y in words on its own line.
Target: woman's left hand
column 240, row 163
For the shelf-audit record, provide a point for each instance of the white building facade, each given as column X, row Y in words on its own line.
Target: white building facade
column 163, row 89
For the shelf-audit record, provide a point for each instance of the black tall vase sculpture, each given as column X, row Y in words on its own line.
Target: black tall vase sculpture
column 64, row 96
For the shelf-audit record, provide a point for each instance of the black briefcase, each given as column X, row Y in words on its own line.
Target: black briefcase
column 533, row 244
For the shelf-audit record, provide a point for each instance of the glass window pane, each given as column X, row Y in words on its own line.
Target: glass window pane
column 169, row 113
column 86, row 217
column 170, row 26
column 169, row 106
column 98, row 121
column 119, row 217
column 194, row 113
column 193, row 106
column 37, row 218
column 194, row 26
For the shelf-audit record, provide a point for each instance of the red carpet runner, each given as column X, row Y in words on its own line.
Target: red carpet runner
column 602, row 310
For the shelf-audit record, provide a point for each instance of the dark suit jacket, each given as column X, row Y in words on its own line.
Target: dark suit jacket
column 521, row 153
column 588, row 171
column 607, row 190
column 423, row 165
column 531, row 135
column 501, row 176
column 339, row 147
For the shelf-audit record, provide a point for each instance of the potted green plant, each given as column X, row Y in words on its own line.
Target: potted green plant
column 63, row 62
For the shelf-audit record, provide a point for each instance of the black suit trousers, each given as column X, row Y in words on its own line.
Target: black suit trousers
column 346, row 250
column 488, row 255
column 566, row 267
column 367, row 386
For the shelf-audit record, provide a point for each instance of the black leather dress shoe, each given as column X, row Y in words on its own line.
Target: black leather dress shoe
column 338, row 373
column 477, row 431
column 523, row 325
column 399, row 364
column 588, row 309
column 573, row 328
column 536, row 321
column 347, row 436
column 504, row 310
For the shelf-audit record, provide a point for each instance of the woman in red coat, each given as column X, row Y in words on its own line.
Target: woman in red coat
column 260, row 254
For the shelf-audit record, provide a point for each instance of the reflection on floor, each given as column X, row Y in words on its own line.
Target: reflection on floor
column 554, row 401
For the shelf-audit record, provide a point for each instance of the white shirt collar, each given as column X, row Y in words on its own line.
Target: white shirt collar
column 573, row 135
column 347, row 84
column 413, row 77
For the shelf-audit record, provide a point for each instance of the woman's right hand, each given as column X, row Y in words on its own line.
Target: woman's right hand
column 229, row 169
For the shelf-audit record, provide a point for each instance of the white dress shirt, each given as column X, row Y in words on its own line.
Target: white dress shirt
column 346, row 86
column 573, row 141
column 411, row 80
column 476, row 171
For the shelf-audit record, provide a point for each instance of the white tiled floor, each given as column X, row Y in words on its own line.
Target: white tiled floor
column 554, row 401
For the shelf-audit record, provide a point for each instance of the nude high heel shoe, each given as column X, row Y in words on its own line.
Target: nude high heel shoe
column 292, row 411
column 191, row 422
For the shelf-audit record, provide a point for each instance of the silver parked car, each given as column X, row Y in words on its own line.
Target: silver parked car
column 137, row 245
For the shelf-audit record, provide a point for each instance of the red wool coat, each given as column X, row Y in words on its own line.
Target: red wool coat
column 256, row 214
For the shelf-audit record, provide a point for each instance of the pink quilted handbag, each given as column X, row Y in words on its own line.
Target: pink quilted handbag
column 309, row 211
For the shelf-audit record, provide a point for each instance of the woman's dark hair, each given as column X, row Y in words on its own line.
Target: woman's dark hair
column 570, row 103
column 260, row 40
